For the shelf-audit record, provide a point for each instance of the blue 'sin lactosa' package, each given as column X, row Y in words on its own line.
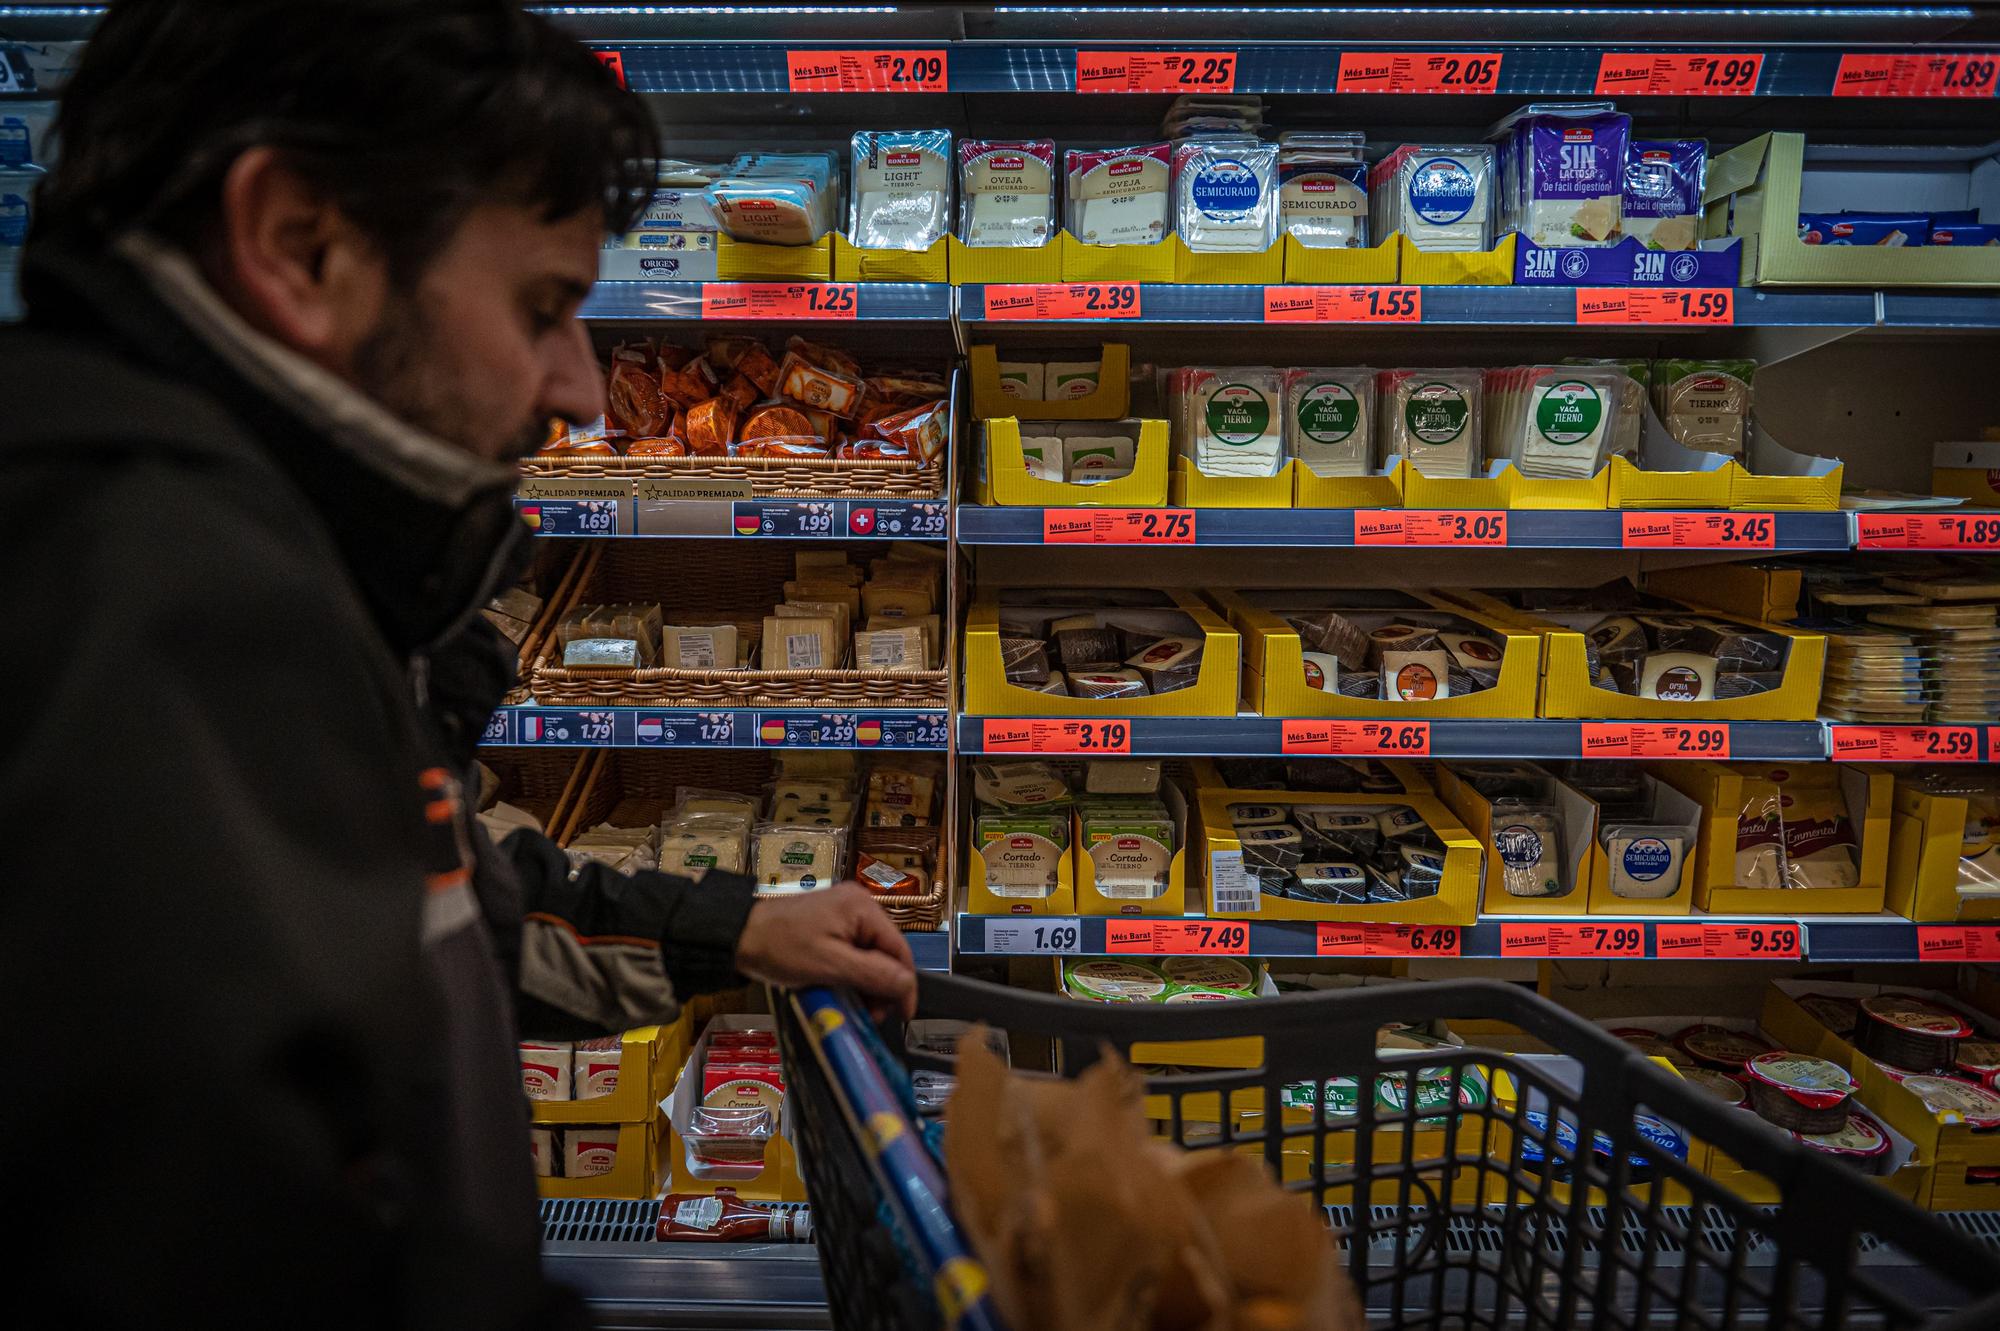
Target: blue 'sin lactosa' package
column 1663, row 184
column 1892, row 229
column 901, row 189
column 1226, row 193
column 1565, row 173
column 1323, row 189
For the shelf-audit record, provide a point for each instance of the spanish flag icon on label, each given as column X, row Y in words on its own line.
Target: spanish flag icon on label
column 771, row 732
column 531, row 516
column 867, row 733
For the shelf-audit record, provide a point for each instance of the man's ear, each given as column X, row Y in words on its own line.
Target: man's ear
column 291, row 262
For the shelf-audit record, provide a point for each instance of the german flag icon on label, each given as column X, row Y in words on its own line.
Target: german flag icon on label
column 771, row 732
column 748, row 524
column 868, row 732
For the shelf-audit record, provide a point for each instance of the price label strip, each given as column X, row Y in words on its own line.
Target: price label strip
column 924, row 730
column 1419, row 72
column 1699, row 531
column 867, row 71
column 1679, row 74
column 919, row 519
column 1573, row 940
column 1905, row 744
column 1927, row 531
column 1773, row 941
column 1945, row 74
column 1958, row 942
column 1055, row 735
column 1156, row 71
column 1707, row 307
column 1050, row 937
column 1655, row 739
column 1358, row 305
column 810, row 518
column 1075, row 300
column 1428, row 527
column 684, row 730
column 778, row 300
column 1118, row 526
column 1370, row 939
column 499, row 728
column 582, row 517
column 1162, row 938
column 1353, row 739
column 570, row 727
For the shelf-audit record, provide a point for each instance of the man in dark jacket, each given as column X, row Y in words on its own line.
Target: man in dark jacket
column 300, row 293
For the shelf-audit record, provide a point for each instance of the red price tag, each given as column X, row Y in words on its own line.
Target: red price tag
column 1573, row 940
column 614, row 61
column 1948, row 74
column 1905, row 744
column 1419, row 71
column 1156, row 71
column 1358, row 305
column 1707, row 307
column 867, row 71
column 777, row 300
column 1958, row 942
column 1075, row 300
column 1177, row 938
column 1118, row 526
column 1928, row 531
column 1373, row 739
column 1423, row 526
column 1679, row 74
column 1056, row 735
column 1782, row 940
column 1388, row 940
column 1700, row 531
column 1655, row 739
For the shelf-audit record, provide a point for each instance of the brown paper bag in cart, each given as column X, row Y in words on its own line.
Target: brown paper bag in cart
column 1088, row 1222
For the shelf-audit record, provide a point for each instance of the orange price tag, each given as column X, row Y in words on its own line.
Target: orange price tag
column 1056, row 735
column 1156, row 71
column 1424, row 526
column 1700, row 531
column 1958, row 942
column 1419, row 71
column 1943, row 74
column 1905, row 744
column 1074, row 300
column 867, row 71
column 1375, row 739
column 1778, row 940
column 1358, row 305
column 1177, row 937
column 1118, row 526
column 1679, row 74
column 1708, row 307
column 1927, row 531
column 1573, row 940
column 614, row 61
column 1388, row 940
column 777, row 300
column 1655, row 739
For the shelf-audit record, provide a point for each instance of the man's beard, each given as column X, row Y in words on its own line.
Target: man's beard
column 398, row 366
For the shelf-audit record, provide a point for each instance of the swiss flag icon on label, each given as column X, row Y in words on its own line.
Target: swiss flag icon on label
column 861, row 522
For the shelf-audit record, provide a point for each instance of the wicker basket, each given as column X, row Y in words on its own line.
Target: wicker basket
column 631, row 789
column 543, row 782
column 556, row 572
column 712, row 584
column 768, row 478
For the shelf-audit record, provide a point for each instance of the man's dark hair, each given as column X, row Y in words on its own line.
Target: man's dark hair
column 407, row 113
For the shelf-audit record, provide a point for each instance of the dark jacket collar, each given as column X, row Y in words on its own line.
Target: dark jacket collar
column 427, row 532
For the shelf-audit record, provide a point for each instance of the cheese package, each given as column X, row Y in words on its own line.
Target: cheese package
column 1021, row 380
column 1553, row 422
column 1664, row 179
column 596, row 1067
column 1006, row 195
column 698, row 647
column 1440, row 197
column 1069, row 381
column 1225, row 194
column 542, row 1151
column 890, row 649
column 1118, row 196
column 1528, row 843
column 1329, row 420
column 1434, row 418
column 776, row 198
column 797, row 858
column 899, row 197
column 1565, row 172
column 1023, row 855
column 1323, row 189
column 801, row 643
column 1091, row 458
column 1704, row 404
column 701, row 844
column 546, row 1069
column 1230, row 421
column 589, row 1152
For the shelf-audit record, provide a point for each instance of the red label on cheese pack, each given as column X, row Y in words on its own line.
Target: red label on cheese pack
column 1679, row 74
column 777, row 300
column 1927, row 531
column 1055, row 735
column 1073, row 300
column 1945, row 74
column 1177, row 938
column 867, row 71
column 1655, row 739
column 1699, row 531
column 1905, row 744
column 1155, row 71
column 1381, row 739
column 1419, row 71
column 1704, row 306
column 1118, row 526
column 1360, row 304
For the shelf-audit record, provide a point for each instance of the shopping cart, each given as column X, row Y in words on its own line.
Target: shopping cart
column 1474, row 1204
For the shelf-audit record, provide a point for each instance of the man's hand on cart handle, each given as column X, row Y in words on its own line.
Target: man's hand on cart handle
column 836, row 936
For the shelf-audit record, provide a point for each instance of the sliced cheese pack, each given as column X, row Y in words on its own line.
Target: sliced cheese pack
column 1441, row 197
column 1230, row 421
column 1434, row 418
column 1329, row 419
column 1006, row 198
column 900, row 198
column 1553, row 422
column 1118, row 196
